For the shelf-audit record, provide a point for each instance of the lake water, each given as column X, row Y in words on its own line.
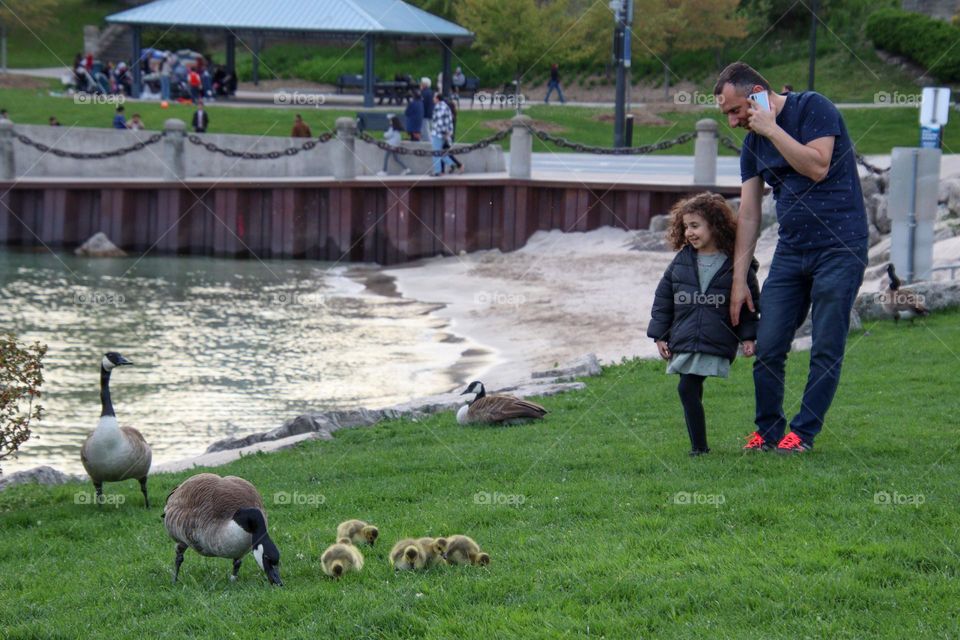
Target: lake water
column 220, row 347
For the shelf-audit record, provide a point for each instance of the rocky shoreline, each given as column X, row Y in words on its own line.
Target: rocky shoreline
column 321, row 426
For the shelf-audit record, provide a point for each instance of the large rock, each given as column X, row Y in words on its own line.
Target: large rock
column 645, row 240
column 659, row 224
column 99, row 246
column 935, row 296
column 949, row 194
column 768, row 211
column 877, row 212
column 44, row 475
column 586, row 366
column 869, row 186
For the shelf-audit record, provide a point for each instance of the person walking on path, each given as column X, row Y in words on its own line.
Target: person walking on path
column 414, row 116
column 393, row 137
column 690, row 318
column 426, row 96
column 441, row 128
column 554, row 84
column 800, row 146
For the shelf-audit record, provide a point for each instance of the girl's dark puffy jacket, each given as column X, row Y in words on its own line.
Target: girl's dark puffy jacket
column 695, row 322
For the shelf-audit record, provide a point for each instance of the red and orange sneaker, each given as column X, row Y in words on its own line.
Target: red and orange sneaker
column 792, row 443
column 757, row 443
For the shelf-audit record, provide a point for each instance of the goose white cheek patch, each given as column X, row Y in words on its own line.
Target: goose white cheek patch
column 258, row 555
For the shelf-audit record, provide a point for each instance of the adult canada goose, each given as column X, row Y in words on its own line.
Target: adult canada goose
column 464, row 550
column 358, row 531
column 407, row 554
column 341, row 558
column 496, row 408
column 902, row 303
column 113, row 453
column 221, row 518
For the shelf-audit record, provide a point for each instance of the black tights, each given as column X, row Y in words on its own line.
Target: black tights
column 691, row 397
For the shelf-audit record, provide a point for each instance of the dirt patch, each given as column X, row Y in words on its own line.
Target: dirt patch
column 501, row 125
column 639, row 117
column 12, row 81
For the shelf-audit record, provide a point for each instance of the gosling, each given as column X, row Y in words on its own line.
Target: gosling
column 358, row 531
column 341, row 558
column 408, row 555
column 464, row 550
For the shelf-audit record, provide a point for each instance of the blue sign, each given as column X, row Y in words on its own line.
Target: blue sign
column 931, row 137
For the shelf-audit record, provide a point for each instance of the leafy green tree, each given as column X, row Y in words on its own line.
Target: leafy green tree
column 21, row 376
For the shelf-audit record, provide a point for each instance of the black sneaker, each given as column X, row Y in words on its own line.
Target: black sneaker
column 698, row 452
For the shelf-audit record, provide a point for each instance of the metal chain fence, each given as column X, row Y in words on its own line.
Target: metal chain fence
column 459, row 150
column 623, row 151
column 266, row 155
column 95, row 155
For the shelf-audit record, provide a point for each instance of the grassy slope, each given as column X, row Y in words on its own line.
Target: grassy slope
column 798, row 548
column 873, row 130
column 59, row 41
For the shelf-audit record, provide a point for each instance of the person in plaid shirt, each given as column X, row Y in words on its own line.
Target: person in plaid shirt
column 441, row 129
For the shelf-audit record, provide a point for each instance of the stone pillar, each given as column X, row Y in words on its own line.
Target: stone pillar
column 705, row 153
column 521, row 147
column 174, row 161
column 344, row 158
column 7, row 169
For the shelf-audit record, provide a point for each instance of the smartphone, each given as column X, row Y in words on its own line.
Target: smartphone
column 761, row 99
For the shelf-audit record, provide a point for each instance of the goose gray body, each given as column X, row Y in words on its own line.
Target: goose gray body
column 496, row 408
column 112, row 453
column 222, row 518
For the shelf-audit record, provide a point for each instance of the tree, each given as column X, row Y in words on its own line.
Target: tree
column 443, row 8
column 668, row 26
column 28, row 14
column 21, row 376
column 517, row 35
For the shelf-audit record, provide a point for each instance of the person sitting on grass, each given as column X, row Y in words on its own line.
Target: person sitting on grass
column 690, row 318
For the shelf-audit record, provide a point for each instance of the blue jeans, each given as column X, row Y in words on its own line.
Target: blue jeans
column 551, row 85
column 165, row 87
column 439, row 162
column 828, row 279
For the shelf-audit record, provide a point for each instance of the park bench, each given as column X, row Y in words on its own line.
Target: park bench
column 469, row 90
column 349, row 81
column 372, row 120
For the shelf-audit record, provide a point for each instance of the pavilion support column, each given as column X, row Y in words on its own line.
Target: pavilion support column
column 447, row 88
column 368, row 79
column 231, row 54
column 256, row 58
column 136, row 60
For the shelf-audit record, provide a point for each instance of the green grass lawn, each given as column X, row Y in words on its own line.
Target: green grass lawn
column 873, row 130
column 601, row 525
column 59, row 41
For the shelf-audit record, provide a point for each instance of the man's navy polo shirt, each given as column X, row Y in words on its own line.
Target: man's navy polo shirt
column 812, row 215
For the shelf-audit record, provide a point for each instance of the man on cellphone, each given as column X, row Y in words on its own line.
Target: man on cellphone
column 801, row 148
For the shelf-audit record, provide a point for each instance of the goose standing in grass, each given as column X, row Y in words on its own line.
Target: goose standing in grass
column 341, row 558
column 113, row 453
column 433, row 549
column 221, row 518
column 496, row 408
column 902, row 303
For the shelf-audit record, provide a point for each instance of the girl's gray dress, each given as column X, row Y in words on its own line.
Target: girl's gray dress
column 702, row 364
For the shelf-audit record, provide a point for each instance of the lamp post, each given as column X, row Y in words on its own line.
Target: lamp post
column 623, row 14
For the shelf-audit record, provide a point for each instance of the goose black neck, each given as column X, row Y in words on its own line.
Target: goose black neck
column 105, row 404
column 252, row 521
